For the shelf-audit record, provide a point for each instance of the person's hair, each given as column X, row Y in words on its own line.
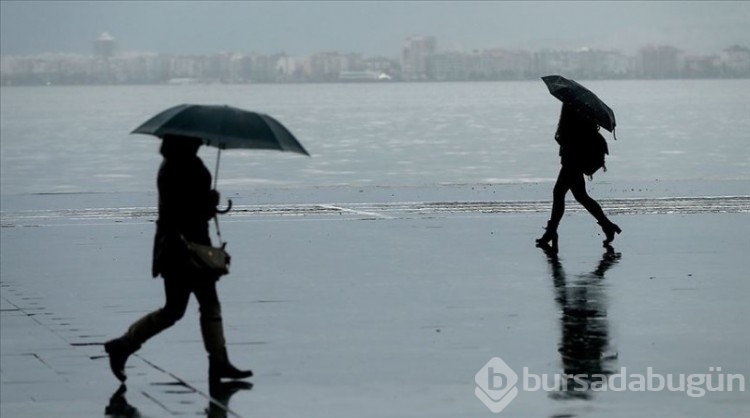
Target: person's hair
column 176, row 146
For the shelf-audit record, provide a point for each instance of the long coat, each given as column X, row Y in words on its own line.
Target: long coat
column 186, row 205
column 576, row 136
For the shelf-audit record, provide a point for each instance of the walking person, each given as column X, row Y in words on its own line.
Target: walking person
column 186, row 204
column 574, row 133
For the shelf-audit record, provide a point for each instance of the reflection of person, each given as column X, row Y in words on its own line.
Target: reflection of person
column 186, row 204
column 571, row 130
column 218, row 405
column 584, row 326
column 119, row 407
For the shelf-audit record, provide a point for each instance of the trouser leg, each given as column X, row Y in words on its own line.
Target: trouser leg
column 578, row 187
column 177, row 295
column 119, row 349
column 212, row 327
column 562, row 185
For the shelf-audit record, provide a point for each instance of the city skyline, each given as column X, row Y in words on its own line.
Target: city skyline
column 114, row 46
column 369, row 28
column 419, row 61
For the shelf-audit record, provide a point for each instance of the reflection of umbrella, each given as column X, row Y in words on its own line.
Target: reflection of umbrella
column 581, row 99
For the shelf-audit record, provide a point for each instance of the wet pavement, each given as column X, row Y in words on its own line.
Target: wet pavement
column 381, row 302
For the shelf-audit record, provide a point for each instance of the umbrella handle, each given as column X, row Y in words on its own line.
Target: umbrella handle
column 228, row 208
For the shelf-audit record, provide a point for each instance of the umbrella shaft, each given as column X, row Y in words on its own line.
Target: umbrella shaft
column 216, row 171
column 216, row 181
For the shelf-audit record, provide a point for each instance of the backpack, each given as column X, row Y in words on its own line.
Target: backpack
column 592, row 154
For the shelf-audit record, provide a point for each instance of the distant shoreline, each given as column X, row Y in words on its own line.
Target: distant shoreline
column 208, row 83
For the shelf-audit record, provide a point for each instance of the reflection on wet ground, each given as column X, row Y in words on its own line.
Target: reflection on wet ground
column 218, row 401
column 585, row 351
column 391, row 210
column 119, row 407
column 380, row 318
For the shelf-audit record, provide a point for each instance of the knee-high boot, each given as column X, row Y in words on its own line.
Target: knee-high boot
column 219, row 366
column 119, row 349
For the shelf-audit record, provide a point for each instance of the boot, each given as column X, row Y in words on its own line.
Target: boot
column 219, row 368
column 609, row 229
column 141, row 330
column 119, row 350
column 549, row 239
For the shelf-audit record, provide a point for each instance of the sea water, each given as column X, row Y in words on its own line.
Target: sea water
column 76, row 139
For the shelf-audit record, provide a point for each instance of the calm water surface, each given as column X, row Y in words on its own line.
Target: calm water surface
column 76, row 139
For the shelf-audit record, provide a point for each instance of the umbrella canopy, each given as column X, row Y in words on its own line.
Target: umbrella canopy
column 223, row 127
column 581, row 99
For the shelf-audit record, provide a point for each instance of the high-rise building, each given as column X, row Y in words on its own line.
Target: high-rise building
column 660, row 61
column 735, row 61
column 105, row 45
column 417, row 49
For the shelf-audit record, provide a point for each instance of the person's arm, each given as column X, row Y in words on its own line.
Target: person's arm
column 185, row 195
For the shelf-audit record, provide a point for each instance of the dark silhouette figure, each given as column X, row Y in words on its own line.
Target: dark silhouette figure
column 585, row 329
column 186, row 204
column 572, row 130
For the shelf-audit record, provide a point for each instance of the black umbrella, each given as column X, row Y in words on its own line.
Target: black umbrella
column 223, row 127
column 581, row 99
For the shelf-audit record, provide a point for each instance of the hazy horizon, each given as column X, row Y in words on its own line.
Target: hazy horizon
column 370, row 28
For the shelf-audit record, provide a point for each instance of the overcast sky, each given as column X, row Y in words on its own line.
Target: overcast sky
column 371, row 28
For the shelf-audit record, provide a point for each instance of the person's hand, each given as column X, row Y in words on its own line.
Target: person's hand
column 215, row 196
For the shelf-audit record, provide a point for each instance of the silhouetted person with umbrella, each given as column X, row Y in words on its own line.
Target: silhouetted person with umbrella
column 186, row 204
column 573, row 132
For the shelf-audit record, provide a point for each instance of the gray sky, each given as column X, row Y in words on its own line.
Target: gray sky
column 372, row 28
